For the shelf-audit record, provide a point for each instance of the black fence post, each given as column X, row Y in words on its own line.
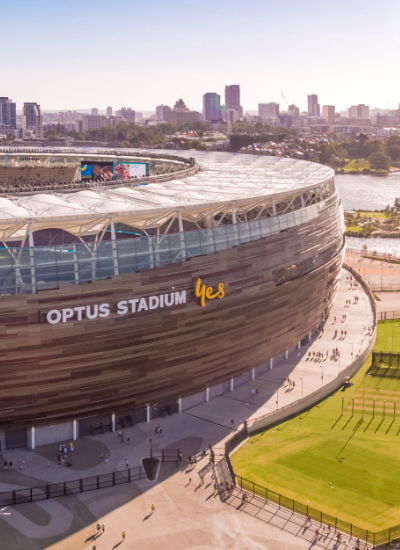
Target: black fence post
column 351, row 530
column 81, row 485
column 366, row 537
column 140, row 471
column 321, row 517
column 113, row 478
column 373, row 542
column 307, row 510
column 14, row 497
column 31, row 494
column 335, row 525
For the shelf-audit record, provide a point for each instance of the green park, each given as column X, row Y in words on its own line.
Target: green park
column 343, row 462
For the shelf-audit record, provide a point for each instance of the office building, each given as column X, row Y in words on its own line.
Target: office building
column 128, row 114
column 8, row 114
column 359, row 111
column 313, row 105
column 32, row 118
column 109, row 111
column 328, row 113
column 92, row 122
column 95, row 111
column 181, row 114
column 161, row 112
column 212, row 106
column 268, row 110
column 232, row 99
column 293, row 111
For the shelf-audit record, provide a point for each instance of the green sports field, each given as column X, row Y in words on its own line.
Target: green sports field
column 342, row 465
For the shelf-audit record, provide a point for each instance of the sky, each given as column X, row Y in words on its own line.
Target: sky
column 74, row 54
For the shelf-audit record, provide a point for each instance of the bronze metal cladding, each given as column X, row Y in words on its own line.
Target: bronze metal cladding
column 78, row 368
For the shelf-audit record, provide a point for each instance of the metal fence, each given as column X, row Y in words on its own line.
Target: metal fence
column 259, row 491
column 64, row 488
column 383, row 315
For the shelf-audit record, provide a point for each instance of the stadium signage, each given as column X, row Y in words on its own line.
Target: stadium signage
column 135, row 305
column 203, row 292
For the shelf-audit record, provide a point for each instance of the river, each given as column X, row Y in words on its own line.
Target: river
column 370, row 193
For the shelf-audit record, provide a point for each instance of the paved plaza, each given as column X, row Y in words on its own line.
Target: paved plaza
column 187, row 515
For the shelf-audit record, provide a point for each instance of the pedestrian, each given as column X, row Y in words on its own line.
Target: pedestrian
column 103, row 527
column 98, row 527
column 345, row 333
column 101, row 456
column 153, row 508
column 11, row 465
column 316, row 536
column 106, row 459
column 128, row 439
column 126, row 463
column 180, row 457
column 308, row 520
column 252, row 393
column 329, row 528
column 358, row 544
column 94, row 547
column 334, row 319
column 293, row 384
column 190, row 480
column 123, row 535
column 160, row 431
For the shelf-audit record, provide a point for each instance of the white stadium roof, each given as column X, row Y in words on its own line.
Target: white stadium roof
column 224, row 179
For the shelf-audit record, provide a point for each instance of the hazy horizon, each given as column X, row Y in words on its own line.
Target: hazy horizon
column 61, row 55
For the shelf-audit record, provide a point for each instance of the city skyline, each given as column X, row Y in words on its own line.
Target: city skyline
column 299, row 62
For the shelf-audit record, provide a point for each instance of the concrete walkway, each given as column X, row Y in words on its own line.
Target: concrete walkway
column 187, row 516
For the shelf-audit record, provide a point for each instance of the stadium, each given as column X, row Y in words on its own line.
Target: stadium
column 136, row 284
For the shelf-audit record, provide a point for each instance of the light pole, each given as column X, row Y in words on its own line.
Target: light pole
column 301, row 387
column 364, row 392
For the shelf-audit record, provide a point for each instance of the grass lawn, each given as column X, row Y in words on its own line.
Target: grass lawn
column 357, row 164
column 342, row 465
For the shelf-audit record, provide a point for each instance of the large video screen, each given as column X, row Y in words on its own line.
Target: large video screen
column 97, row 171
column 106, row 171
column 126, row 170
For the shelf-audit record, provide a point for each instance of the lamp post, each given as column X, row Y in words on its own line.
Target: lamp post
column 301, row 387
column 364, row 393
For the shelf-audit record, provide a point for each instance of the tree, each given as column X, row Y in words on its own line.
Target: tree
column 394, row 151
column 379, row 161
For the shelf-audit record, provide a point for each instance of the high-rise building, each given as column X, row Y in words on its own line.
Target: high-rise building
column 328, row 112
column 128, row 114
column 268, row 110
column 32, row 118
column 359, row 111
column 161, row 112
column 293, row 111
column 180, row 106
column 212, row 106
column 92, row 122
column 313, row 105
column 182, row 114
column 95, row 111
column 232, row 98
column 8, row 114
column 109, row 111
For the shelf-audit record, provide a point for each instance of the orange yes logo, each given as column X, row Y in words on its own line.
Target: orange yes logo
column 203, row 292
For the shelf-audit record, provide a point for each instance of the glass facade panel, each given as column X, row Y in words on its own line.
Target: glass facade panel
column 221, row 240
column 207, row 241
column 244, row 232
column 84, row 262
column 193, row 243
column 232, row 233
column 178, row 246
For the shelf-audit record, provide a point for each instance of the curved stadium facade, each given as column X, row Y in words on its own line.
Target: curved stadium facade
column 124, row 300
